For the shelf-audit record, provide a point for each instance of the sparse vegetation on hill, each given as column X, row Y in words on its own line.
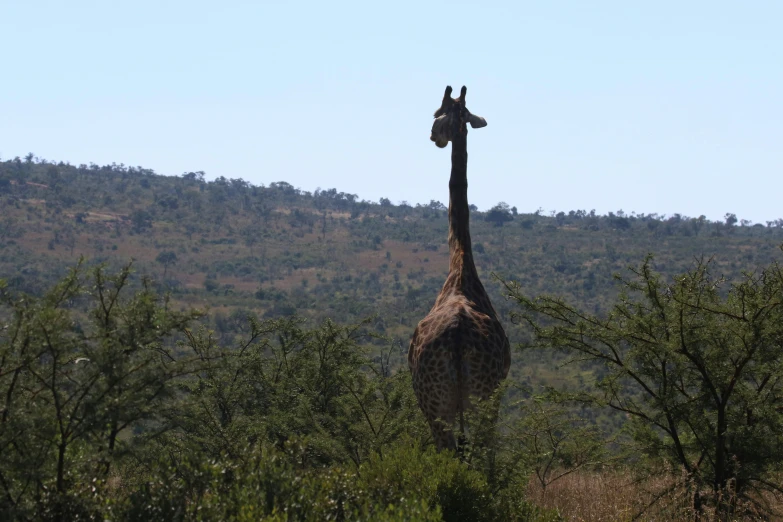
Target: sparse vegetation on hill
column 276, row 249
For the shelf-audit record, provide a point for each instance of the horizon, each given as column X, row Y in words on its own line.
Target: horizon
column 658, row 109
column 312, row 193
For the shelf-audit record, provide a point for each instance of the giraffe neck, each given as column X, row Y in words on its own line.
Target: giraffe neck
column 460, row 252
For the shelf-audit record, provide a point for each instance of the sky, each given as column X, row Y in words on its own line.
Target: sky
column 648, row 107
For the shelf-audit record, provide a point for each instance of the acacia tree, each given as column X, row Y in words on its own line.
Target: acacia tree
column 78, row 367
column 283, row 380
column 499, row 214
column 166, row 258
column 555, row 442
column 696, row 366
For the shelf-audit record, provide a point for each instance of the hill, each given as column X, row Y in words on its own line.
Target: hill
column 275, row 250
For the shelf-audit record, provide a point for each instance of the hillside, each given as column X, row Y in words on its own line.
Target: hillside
column 275, row 250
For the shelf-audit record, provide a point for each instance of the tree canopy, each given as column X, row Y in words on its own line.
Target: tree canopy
column 695, row 364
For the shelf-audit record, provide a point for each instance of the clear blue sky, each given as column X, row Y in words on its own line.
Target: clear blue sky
column 641, row 106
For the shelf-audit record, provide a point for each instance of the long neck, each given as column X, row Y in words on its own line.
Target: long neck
column 460, row 252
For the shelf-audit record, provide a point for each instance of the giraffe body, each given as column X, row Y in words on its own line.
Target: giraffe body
column 459, row 350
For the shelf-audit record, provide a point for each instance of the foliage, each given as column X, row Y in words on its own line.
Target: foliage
column 266, row 379
column 407, row 483
column 555, row 441
column 266, row 484
column 696, row 365
column 116, row 407
column 499, row 214
column 459, row 492
column 73, row 378
column 166, row 258
column 536, row 435
column 281, row 381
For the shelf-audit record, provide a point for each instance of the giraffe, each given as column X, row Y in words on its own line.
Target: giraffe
column 459, row 350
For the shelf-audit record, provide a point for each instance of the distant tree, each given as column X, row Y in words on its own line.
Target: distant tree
column 211, row 284
column 169, row 201
column 499, row 214
column 619, row 222
column 698, row 223
column 52, row 176
column 436, row 205
column 166, row 258
column 250, row 238
column 66, row 236
column 141, row 220
column 528, row 223
column 731, row 219
column 8, row 228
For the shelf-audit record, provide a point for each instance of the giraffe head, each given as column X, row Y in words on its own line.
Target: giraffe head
column 451, row 117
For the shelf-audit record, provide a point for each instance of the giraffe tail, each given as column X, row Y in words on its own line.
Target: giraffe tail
column 461, row 439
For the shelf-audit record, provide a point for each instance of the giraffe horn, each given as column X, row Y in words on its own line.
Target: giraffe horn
column 445, row 103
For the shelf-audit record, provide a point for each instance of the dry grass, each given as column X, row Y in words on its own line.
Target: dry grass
column 619, row 496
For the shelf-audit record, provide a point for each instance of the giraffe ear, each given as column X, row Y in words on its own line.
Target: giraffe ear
column 437, row 134
column 476, row 121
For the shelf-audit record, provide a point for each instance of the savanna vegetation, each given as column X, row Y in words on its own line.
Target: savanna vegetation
column 249, row 363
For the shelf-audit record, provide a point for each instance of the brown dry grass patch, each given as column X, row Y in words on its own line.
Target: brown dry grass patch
column 620, row 496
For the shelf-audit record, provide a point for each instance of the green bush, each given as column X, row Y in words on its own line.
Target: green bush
column 459, row 493
column 78, row 368
column 438, row 478
column 266, row 484
column 406, row 483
